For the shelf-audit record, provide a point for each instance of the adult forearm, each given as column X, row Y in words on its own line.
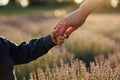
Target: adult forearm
column 89, row 6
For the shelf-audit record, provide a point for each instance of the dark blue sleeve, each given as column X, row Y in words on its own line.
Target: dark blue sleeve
column 25, row 53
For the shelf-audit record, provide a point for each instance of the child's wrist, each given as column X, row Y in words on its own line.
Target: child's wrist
column 53, row 39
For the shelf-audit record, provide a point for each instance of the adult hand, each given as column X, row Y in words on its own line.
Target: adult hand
column 76, row 18
column 70, row 23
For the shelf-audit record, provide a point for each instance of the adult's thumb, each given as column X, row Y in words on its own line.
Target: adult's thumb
column 70, row 30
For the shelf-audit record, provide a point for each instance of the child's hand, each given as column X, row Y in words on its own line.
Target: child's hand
column 57, row 39
column 60, row 40
column 53, row 37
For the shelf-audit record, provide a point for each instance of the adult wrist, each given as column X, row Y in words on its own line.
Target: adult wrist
column 82, row 16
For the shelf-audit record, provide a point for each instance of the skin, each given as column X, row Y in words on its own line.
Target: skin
column 75, row 19
column 59, row 40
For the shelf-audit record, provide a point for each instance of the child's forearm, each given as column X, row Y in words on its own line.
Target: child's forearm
column 25, row 53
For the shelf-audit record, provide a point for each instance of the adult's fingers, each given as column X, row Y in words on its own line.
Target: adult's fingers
column 70, row 30
column 63, row 29
column 57, row 26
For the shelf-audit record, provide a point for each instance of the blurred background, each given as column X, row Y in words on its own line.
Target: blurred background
column 22, row 20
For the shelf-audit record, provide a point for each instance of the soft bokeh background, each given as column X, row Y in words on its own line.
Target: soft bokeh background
column 22, row 20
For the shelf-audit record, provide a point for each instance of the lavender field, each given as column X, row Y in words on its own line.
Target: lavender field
column 96, row 45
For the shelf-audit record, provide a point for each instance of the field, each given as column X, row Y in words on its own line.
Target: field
column 91, row 53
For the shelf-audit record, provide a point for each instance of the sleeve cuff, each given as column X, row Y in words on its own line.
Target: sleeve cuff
column 48, row 42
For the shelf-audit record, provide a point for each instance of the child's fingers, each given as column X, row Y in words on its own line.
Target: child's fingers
column 54, row 37
column 61, row 37
column 55, row 33
column 59, row 40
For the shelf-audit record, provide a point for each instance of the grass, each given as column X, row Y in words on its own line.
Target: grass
column 76, row 70
column 98, row 36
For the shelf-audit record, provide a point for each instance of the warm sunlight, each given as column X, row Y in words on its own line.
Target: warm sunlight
column 4, row 2
column 60, row 0
column 78, row 1
column 58, row 13
column 24, row 3
column 114, row 3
